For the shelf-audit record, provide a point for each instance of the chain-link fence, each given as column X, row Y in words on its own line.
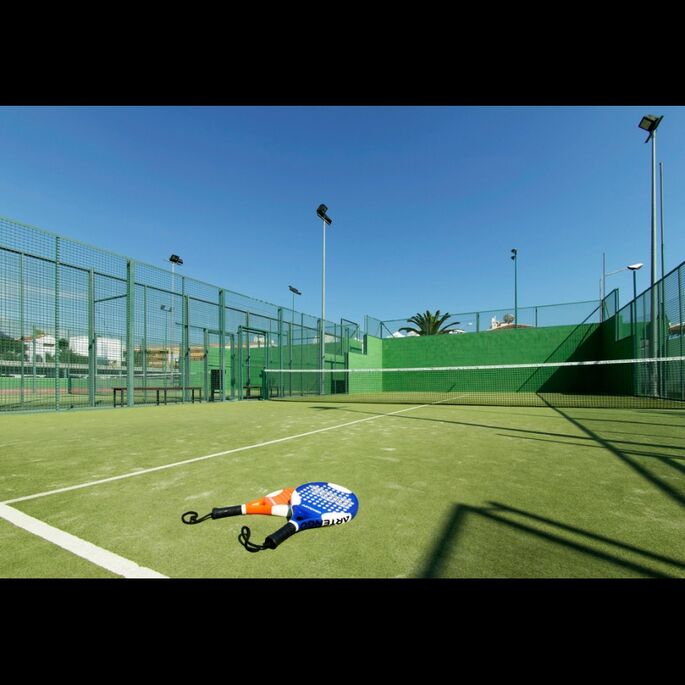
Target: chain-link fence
column 491, row 319
column 84, row 327
column 644, row 335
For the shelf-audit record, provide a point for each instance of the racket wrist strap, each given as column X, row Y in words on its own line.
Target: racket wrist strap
column 244, row 539
column 191, row 517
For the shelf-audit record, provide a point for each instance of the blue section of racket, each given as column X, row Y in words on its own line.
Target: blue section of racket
column 312, row 505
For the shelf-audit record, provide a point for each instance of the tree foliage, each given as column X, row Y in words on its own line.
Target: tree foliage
column 11, row 349
column 430, row 324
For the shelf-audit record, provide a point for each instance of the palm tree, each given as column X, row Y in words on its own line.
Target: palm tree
column 430, row 324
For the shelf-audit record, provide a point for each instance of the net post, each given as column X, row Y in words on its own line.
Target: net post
column 264, row 392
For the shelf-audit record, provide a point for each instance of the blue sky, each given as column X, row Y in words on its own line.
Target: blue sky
column 426, row 202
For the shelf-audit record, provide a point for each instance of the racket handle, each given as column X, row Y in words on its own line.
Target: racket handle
column 280, row 535
column 221, row 512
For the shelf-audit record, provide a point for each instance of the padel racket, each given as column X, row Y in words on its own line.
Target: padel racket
column 312, row 505
column 276, row 503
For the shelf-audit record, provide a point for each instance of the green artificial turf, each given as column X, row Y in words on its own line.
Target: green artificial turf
column 444, row 491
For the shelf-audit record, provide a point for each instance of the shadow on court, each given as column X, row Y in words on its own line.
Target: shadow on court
column 626, row 457
column 623, row 449
column 532, row 529
column 632, row 454
column 670, row 460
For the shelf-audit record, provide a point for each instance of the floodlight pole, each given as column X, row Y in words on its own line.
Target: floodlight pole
column 167, row 352
column 654, row 301
column 323, row 309
column 661, row 205
column 321, row 213
column 663, row 266
column 602, row 283
column 634, row 285
column 654, row 266
column 323, row 274
column 603, row 289
column 294, row 291
column 174, row 259
column 650, row 123
column 514, row 254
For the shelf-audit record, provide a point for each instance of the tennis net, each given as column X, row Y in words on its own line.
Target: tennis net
column 621, row 383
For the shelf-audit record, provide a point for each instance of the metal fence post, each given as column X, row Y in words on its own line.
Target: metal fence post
column 185, row 341
column 92, row 342
column 681, row 331
column 130, row 316
column 57, row 284
column 222, row 342
column 21, row 325
column 143, row 344
column 280, row 354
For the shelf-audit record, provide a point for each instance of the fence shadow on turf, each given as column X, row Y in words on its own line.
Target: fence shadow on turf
column 591, row 436
column 550, row 531
column 631, row 462
column 669, row 460
column 642, row 412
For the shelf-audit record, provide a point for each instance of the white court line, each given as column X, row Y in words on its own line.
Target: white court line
column 206, row 456
column 96, row 555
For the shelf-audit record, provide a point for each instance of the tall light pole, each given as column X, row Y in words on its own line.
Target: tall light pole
column 321, row 213
column 294, row 291
column 633, row 312
column 514, row 253
column 167, row 352
column 603, row 287
column 662, row 299
column 630, row 267
column 650, row 123
column 174, row 259
column 661, row 207
column 634, row 268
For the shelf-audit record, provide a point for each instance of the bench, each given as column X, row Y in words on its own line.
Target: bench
column 158, row 389
column 249, row 388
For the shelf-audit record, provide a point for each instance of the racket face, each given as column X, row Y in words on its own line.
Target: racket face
column 319, row 504
column 274, row 504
